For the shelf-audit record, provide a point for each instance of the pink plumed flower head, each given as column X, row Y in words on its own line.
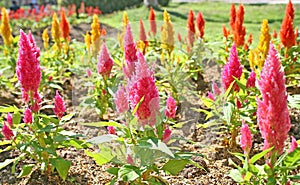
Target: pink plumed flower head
column 251, row 80
column 166, row 135
column 171, row 107
column 105, row 62
column 27, row 116
column 9, row 119
column 216, row 90
column 246, row 138
column 7, row 132
column 121, row 100
column 294, row 144
column 59, row 106
column 129, row 46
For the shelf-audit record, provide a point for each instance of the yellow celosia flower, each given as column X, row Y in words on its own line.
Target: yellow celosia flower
column 88, row 40
column 264, row 42
column 45, row 37
column 55, row 30
column 125, row 20
column 167, row 34
column 5, row 29
column 95, row 35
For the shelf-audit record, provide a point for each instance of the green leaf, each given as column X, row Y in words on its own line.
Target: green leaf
column 228, row 111
column 66, row 118
column 104, row 156
column 8, row 109
column 129, row 173
column 26, row 170
column 103, row 139
column 7, row 162
column 174, row 166
column 103, row 124
column 55, row 86
column 161, row 146
column 16, row 118
column 5, row 142
column 259, row 155
column 62, row 166
column 236, row 175
column 293, row 158
column 113, row 170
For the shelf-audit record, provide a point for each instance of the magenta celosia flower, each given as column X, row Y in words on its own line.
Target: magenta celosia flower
column 9, row 119
column 105, row 62
column 59, row 106
column 211, row 96
column 238, row 104
column 232, row 69
column 7, row 132
column 216, row 90
column 166, row 135
column 294, row 144
column 251, row 80
column 142, row 85
column 88, row 72
column 171, row 108
column 121, row 100
column 246, row 138
column 28, row 66
column 111, row 130
column 27, row 116
column 272, row 111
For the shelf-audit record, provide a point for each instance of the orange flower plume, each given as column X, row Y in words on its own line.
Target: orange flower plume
column 225, row 32
column 232, row 16
column 200, row 24
column 191, row 28
column 239, row 29
column 274, row 34
column 152, row 21
column 64, row 26
column 287, row 35
column 290, row 9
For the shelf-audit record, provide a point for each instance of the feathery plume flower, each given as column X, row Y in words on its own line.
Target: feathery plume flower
column 250, row 39
column 7, row 132
column 264, row 43
column 129, row 52
column 27, row 116
column 238, row 104
column 152, row 22
column 129, row 159
column 121, row 100
column 88, row 41
column 125, row 19
column 251, row 80
column 287, row 35
column 232, row 16
column 289, row 10
column 105, row 62
column 274, row 34
column 95, row 35
column 5, row 29
column 191, row 28
column 232, row 69
column 55, row 30
column 142, row 43
column 225, row 32
column 111, row 130
column 216, row 90
column 166, row 135
column 88, row 72
column 142, row 86
column 272, row 111
column 200, row 22
column 239, row 29
column 179, row 37
column 59, row 106
column 167, row 33
column 9, row 119
column 246, row 138
column 28, row 67
column 45, row 38
column 171, row 108
column 294, row 144
column 211, row 96
column 64, row 26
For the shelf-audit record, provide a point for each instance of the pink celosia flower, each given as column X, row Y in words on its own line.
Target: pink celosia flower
column 232, row 69
column 142, row 85
column 105, row 62
column 142, row 35
column 7, row 132
column 211, row 96
column 251, row 80
column 28, row 66
column 111, row 130
column 27, row 116
column 35, row 107
column 246, row 138
column 88, row 72
column 130, row 160
column 171, row 108
column 121, row 100
column 238, row 104
column 294, row 145
column 166, row 135
column 216, row 90
column 9, row 119
column 272, row 111
column 59, row 106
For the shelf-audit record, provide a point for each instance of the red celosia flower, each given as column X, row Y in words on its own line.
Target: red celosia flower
column 272, row 111
column 121, row 100
column 239, row 29
column 294, row 145
column 287, row 35
column 239, row 104
column 166, row 135
column 171, row 108
column 246, row 138
column 232, row 17
column 111, row 130
column 274, row 34
column 251, row 80
column 179, row 37
column 28, row 66
column 7, row 132
column 59, row 106
column 64, row 25
column 200, row 22
column 290, row 9
column 232, row 69
column 9, row 119
column 225, row 32
column 27, row 116
column 152, row 21
column 142, row 86
column 250, row 39
column 105, row 62
column 191, row 28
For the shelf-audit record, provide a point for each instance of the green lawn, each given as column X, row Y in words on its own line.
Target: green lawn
column 216, row 14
